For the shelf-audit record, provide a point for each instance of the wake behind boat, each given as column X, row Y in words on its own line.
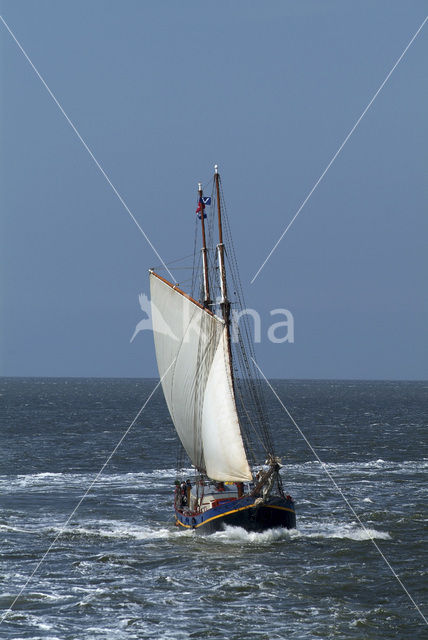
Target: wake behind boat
column 215, row 399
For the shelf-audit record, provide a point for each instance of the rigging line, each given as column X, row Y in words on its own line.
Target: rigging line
column 254, row 384
column 116, row 192
column 247, row 415
column 324, row 467
column 340, row 148
column 206, row 183
column 191, row 255
column 61, row 531
column 195, row 257
column 159, row 267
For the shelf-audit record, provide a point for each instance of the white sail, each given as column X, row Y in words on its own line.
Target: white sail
column 193, row 363
column 223, row 448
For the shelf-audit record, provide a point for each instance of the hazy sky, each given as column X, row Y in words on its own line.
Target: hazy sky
column 161, row 91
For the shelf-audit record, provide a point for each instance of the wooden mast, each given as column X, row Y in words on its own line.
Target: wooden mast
column 201, row 207
column 224, row 303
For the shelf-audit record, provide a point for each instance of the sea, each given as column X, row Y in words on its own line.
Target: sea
column 87, row 557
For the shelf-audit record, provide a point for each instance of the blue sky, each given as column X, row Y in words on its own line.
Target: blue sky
column 161, row 91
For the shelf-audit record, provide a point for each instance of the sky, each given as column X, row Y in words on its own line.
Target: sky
column 160, row 92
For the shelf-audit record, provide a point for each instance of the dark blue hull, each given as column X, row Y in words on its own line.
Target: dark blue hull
column 244, row 512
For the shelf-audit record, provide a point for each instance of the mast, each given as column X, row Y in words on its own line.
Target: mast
column 207, row 300
column 224, row 303
column 255, row 392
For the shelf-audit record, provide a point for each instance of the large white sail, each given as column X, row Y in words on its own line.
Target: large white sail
column 193, row 362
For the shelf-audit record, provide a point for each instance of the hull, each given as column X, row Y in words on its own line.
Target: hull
column 246, row 512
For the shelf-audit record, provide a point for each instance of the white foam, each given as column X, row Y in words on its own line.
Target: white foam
column 117, row 529
column 337, row 530
column 237, row 535
column 47, row 480
column 98, row 528
column 5, row 527
column 241, row 536
column 358, row 622
column 356, row 467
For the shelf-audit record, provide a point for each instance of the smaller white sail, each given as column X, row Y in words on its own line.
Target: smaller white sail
column 224, row 453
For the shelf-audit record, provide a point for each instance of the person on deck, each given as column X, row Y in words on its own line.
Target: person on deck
column 183, row 494
column 188, row 489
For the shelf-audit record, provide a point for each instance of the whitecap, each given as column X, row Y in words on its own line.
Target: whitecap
column 357, row 622
column 237, row 535
column 351, row 531
column 116, row 529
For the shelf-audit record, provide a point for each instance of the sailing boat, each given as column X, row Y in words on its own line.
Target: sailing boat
column 215, row 401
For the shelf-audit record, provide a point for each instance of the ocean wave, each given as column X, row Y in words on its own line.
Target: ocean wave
column 355, row 467
column 138, row 480
column 113, row 529
column 350, row 531
column 96, row 529
column 49, row 480
column 127, row 530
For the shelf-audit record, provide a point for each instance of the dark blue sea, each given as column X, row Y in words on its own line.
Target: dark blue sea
column 121, row 569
